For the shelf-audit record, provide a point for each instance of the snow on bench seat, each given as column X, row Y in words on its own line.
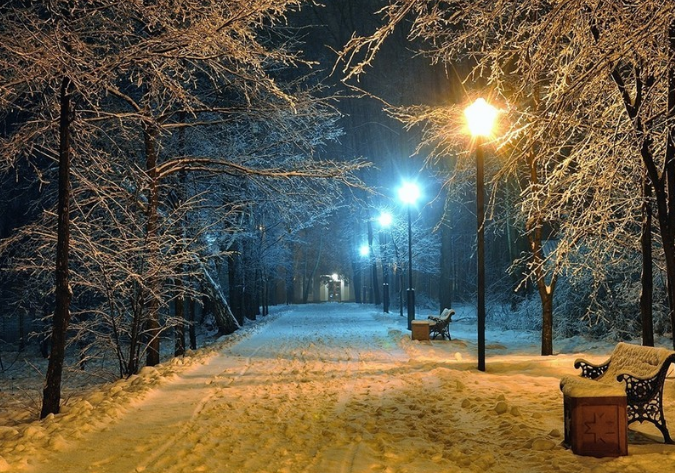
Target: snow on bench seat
column 576, row 386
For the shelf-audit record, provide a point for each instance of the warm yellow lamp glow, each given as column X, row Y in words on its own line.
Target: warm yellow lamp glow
column 480, row 117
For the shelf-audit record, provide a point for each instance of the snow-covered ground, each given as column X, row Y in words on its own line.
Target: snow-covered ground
column 330, row 388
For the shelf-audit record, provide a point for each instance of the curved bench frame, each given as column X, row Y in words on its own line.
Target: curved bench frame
column 644, row 393
column 441, row 325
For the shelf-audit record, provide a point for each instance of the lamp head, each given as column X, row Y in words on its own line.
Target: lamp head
column 480, row 117
column 385, row 219
column 409, row 192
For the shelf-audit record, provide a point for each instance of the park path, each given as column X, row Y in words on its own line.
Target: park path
column 322, row 389
column 262, row 393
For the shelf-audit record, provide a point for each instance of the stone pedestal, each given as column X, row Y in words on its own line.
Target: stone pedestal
column 420, row 329
column 596, row 426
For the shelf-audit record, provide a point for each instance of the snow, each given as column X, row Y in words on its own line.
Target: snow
column 636, row 360
column 574, row 386
column 626, row 359
column 331, row 388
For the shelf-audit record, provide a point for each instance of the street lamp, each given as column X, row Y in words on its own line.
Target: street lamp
column 480, row 118
column 409, row 193
column 385, row 221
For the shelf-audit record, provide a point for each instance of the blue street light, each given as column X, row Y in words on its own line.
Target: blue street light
column 409, row 193
column 385, row 222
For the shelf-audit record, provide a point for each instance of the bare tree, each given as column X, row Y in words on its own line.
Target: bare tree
column 602, row 81
column 137, row 73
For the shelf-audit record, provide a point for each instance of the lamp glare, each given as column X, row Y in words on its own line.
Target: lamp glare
column 480, row 117
column 385, row 219
column 409, row 193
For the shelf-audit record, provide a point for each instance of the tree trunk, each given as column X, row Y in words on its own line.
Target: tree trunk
column 547, row 323
column 250, row 283
column 22, row 328
column 265, row 294
column 447, row 271
column 192, row 318
column 376, row 299
column 667, row 223
column 179, row 346
column 152, row 331
column 309, row 276
column 179, row 331
column 52, row 390
column 356, row 282
column 138, row 312
column 533, row 228
column 235, row 281
column 663, row 186
column 646, row 278
column 289, row 273
column 225, row 320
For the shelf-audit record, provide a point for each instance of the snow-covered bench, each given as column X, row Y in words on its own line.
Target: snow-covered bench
column 441, row 325
column 642, row 370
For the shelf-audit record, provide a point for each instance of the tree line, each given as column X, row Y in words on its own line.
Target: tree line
column 156, row 140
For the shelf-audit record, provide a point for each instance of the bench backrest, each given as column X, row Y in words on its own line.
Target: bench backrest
column 637, row 360
column 446, row 314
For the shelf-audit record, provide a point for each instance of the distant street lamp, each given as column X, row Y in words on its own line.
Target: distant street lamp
column 409, row 193
column 385, row 221
column 480, row 118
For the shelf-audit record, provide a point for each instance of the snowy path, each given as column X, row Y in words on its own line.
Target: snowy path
column 341, row 388
column 295, row 371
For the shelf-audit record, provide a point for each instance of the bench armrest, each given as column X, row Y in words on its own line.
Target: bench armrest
column 591, row 370
column 640, row 389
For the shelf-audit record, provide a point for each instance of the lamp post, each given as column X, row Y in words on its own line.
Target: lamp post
column 480, row 117
column 398, row 271
column 385, row 221
column 409, row 193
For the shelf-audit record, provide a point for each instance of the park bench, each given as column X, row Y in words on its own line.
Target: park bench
column 643, row 371
column 441, row 325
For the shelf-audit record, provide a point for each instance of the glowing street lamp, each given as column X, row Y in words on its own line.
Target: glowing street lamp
column 385, row 222
column 409, row 193
column 480, row 118
column 385, row 219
